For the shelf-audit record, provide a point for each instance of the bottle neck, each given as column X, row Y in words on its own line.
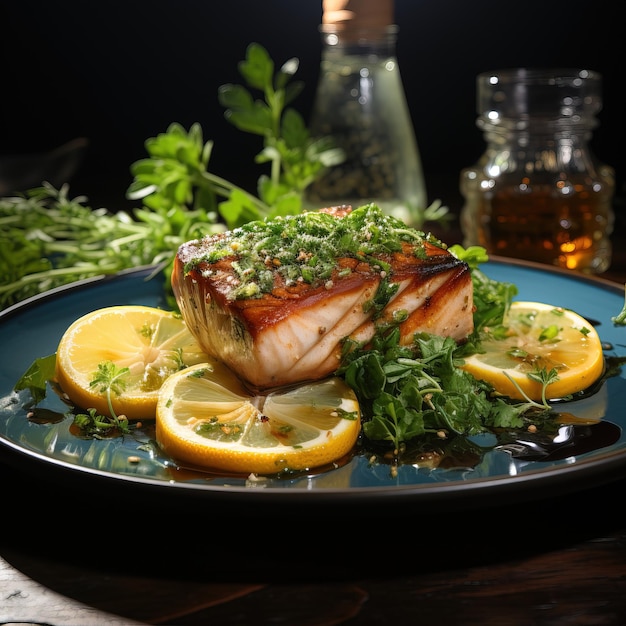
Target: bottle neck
column 377, row 41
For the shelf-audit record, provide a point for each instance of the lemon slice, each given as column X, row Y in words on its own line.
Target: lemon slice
column 150, row 342
column 539, row 336
column 205, row 418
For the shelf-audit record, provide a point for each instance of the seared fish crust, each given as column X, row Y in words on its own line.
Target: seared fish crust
column 275, row 300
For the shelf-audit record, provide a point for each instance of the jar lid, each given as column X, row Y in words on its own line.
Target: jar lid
column 362, row 15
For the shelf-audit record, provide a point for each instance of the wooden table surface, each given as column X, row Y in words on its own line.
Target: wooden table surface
column 68, row 559
column 72, row 557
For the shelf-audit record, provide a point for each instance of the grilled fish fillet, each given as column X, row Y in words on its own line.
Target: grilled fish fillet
column 275, row 300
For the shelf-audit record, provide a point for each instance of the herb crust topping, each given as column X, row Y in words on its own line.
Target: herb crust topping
column 305, row 247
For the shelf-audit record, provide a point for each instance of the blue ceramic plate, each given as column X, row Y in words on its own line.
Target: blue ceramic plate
column 45, row 447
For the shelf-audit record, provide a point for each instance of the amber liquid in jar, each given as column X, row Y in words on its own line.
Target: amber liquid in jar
column 538, row 192
column 565, row 224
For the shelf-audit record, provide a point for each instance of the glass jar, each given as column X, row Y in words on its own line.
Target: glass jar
column 360, row 103
column 538, row 192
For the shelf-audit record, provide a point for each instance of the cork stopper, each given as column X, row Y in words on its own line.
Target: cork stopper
column 362, row 15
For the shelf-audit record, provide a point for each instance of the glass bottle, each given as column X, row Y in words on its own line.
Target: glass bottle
column 538, row 192
column 360, row 103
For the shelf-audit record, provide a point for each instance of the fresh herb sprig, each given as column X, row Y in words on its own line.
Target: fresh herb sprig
column 295, row 158
column 175, row 174
column 176, row 171
column 109, row 379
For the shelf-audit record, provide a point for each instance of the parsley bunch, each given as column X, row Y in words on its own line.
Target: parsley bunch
column 410, row 391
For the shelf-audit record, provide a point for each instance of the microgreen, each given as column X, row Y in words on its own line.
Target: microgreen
column 109, row 379
column 92, row 424
column 48, row 239
column 545, row 377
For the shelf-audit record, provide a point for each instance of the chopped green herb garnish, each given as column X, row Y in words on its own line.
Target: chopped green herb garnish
column 306, row 247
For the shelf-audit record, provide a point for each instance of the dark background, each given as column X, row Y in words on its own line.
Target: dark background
column 118, row 73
